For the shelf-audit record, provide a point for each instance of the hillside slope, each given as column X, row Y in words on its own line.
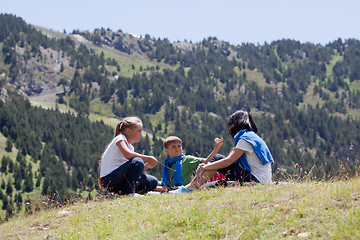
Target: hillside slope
column 305, row 100
column 310, row 210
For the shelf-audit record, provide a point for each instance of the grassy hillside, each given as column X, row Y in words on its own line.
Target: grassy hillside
column 313, row 210
column 304, row 79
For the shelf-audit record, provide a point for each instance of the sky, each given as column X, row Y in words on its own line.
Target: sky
column 233, row 21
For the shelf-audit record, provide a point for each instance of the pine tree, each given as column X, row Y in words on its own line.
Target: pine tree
column 9, row 188
column 9, row 144
column 18, row 177
column 4, row 164
column 19, row 201
column 5, row 202
column 3, row 184
column 28, row 183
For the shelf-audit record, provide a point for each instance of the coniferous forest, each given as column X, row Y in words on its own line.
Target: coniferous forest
column 305, row 100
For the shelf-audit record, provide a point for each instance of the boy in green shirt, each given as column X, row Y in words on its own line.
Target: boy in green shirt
column 179, row 169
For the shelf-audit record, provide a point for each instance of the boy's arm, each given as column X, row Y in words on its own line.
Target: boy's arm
column 217, row 145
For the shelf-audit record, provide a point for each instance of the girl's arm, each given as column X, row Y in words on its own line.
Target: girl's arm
column 128, row 154
column 234, row 155
column 217, row 145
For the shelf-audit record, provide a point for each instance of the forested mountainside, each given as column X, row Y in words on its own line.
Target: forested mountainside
column 305, row 99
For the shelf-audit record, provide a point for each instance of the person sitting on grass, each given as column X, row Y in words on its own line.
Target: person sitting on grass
column 121, row 169
column 249, row 161
column 179, row 169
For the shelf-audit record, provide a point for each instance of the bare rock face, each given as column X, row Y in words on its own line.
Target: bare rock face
column 38, row 73
column 41, row 72
column 3, row 94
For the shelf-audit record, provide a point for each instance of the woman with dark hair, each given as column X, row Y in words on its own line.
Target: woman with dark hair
column 249, row 161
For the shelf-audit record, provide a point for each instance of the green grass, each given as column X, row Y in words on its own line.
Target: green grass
column 39, row 75
column 107, row 120
column 126, row 62
column 310, row 98
column 11, row 154
column 318, row 210
column 101, row 108
column 336, row 58
column 256, row 76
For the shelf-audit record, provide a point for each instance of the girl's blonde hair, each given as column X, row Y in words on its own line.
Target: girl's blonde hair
column 128, row 122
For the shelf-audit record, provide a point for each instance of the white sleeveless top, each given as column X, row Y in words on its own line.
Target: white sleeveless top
column 113, row 157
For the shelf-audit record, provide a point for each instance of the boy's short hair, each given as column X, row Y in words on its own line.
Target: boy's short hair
column 171, row 139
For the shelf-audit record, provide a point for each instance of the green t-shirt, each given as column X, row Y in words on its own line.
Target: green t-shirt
column 189, row 165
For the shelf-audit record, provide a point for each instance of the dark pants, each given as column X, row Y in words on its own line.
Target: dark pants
column 234, row 172
column 129, row 178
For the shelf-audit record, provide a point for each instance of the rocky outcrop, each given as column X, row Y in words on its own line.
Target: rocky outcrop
column 38, row 73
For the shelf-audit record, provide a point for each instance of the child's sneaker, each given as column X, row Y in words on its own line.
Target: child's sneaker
column 181, row 190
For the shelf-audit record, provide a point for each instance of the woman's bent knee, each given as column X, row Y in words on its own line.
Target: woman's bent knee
column 154, row 183
column 137, row 162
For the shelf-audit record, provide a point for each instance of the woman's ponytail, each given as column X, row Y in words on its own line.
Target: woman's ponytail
column 252, row 123
column 118, row 129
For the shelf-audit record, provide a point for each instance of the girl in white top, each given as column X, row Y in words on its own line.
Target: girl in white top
column 121, row 169
column 249, row 161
